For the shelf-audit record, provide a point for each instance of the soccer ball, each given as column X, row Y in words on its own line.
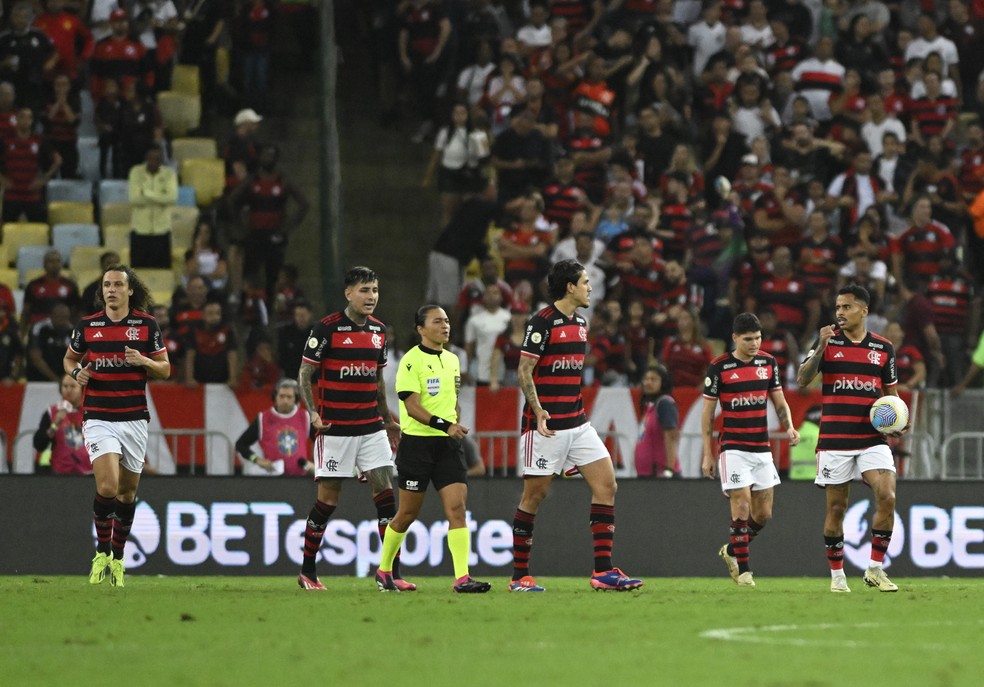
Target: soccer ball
column 889, row 414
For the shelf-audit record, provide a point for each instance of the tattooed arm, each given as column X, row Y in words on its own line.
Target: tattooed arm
column 304, row 381
column 525, row 373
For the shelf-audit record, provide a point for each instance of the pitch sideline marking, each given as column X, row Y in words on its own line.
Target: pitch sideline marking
column 764, row 634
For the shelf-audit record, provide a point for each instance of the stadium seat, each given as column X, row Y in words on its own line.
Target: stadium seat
column 66, row 236
column 115, row 213
column 17, row 234
column 85, row 277
column 157, row 279
column 160, row 297
column 29, row 260
column 68, row 212
column 4, row 259
column 116, row 236
column 87, row 127
column 191, row 147
column 180, row 112
column 114, row 191
column 207, row 176
column 187, row 196
column 74, row 190
column 183, row 222
column 9, row 278
column 85, row 257
column 185, row 79
column 89, row 157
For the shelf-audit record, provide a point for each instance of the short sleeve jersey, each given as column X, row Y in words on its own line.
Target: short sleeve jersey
column 854, row 376
column 558, row 343
column 743, row 389
column 436, row 377
column 349, row 358
column 116, row 392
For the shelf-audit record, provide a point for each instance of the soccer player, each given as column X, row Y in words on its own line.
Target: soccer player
column 427, row 382
column 742, row 381
column 344, row 355
column 122, row 348
column 556, row 434
column 858, row 367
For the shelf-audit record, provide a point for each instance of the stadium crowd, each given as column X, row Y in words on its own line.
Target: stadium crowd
column 702, row 159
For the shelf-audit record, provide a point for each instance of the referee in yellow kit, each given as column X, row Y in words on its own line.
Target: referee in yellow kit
column 427, row 382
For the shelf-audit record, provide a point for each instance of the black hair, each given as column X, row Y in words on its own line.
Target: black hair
column 859, row 292
column 746, row 323
column 420, row 317
column 561, row 274
column 140, row 300
column 359, row 275
column 664, row 374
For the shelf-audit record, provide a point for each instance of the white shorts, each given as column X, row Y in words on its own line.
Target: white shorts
column 567, row 449
column 127, row 439
column 348, row 456
column 740, row 469
column 841, row 467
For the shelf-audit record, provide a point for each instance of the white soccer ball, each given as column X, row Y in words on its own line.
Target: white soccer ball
column 889, row 414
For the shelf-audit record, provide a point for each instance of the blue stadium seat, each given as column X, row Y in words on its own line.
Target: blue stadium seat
column 113, row 191
column 29, row 258
column 187, row 197
column 74, row 190
column 65, row 236
column 89, row 157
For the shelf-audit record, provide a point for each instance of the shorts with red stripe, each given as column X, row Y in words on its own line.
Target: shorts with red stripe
column 568, row 448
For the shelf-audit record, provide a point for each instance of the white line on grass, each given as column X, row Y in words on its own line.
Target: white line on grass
column 778, row 634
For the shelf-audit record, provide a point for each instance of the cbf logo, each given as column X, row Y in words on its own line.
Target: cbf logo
column 287, row 442
column 133, row 333
column 874, row 357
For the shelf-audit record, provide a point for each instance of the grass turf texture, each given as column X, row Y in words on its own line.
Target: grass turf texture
column 675, row 631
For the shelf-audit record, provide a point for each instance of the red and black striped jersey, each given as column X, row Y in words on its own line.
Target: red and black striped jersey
column 819, row 261
column 267, row 201
column 743, row 389
column 951, row 295
column 116, row 391
column 777, row 345
column 644, row 283
column 560, row 202
column 705, row 244
column 923, row 248
column 905, row 362
column 931, row 116
column 576, row 12
column 788, row 297
column 855, row 375
column 783, row 58
column 590, row 177
column 349, row 359
column 558, row 343
column 423, row 26
column 23, row 161
column 972, row 172
column 677, row 218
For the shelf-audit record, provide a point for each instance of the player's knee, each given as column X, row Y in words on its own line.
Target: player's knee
column 885, row 500
column 837, row 510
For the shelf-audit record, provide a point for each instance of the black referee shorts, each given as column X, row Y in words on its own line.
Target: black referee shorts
column 422, row 460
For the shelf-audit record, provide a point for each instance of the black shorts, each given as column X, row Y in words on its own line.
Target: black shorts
column 421, row 460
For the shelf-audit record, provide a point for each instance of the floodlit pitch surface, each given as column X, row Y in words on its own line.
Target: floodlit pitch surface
column 266, row 631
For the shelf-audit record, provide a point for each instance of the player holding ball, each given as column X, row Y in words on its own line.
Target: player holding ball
column 858, row 367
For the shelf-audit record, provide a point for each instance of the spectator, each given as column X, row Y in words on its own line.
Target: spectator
column 281, row 432
column 521, row 156
column 930, row 41
column 28, row 163
column 458, row 154
column 916, row 317
column 472, row 79
column 779, row 343
column 508, row 346
column 422, row 41
column 976, row 365
column 794, row 301
column 153, row 189
column 11, row 346
column 563, row 197
column 264, row 197
column 41, row 294
column 922, row 246
column 58, row 439
column 140, row 126
column 931, row 114
column 117, row 56
column 956, row 315
column 242, row 151
column 706, row 36
column 253, row 40
column 779, row 211
column 590, row 153
column 47, row 343
column 292, row 339
column 212, row 350
column 188, row 305
column 61, row 119
column 286, row 294
column 482, row 330
column 91, row 302
column 659, row 436
column 261, row 371
column 472, row 295
column 172, row 341
column 686, row 352
column 26, row 54
column 205, row 257
column 752, row 111
column 656, row 147
column 204, row 23
column 909, row 361
column 880, row 122
column 71, row 39
column 8, row 111
column 525, row 245
column 864, row 270
column 109, row 123
column 505, row 89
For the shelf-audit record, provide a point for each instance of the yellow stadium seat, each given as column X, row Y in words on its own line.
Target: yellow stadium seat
column 69, row 212
column 180, row 112
column 125, row 256
column 183, row 222
column 8, row 277
column 4, row 260
column 115, row 213
column 117, row 237
column 84, row 258
column 85, row 277
column 207, row 176
column 161, row 297
column 185, row 79
column 191, row 147
column 223, row 61
column 17, row 234
column 35, row 272
column 157, row 279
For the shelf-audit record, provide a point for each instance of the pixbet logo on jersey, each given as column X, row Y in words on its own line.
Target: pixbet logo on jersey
column 353, row 370
column 855, row 384
column 567, row 364
column 111, row 361
column 747, row 401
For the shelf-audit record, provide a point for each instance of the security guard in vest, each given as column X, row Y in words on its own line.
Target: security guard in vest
column 427, row 382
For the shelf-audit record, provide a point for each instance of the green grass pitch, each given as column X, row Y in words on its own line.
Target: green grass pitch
column 678, row 631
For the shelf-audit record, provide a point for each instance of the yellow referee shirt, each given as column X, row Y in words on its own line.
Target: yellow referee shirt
column 436, row 376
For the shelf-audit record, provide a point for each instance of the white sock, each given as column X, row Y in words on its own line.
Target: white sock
column 874, row 564
column 834, row 574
